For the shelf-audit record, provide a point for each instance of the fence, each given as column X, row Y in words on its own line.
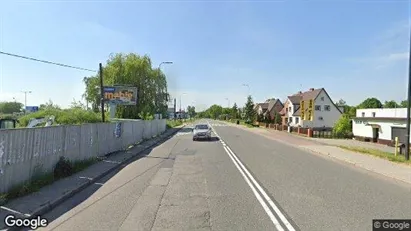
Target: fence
column 30, row 151
column 330, row 135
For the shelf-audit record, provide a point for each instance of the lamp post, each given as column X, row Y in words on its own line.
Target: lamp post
column 407, row 135
column 180, row 102
column 25, row 100
column 159, row 70
column 248, row 86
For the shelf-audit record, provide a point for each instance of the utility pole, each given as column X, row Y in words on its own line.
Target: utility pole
column 103, row 116
column 25, row 100
column 407, row 135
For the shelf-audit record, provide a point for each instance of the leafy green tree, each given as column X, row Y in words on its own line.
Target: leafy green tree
column 404, row 103
column 391, row 104
column 277, row 118
column 10, row 107
column 343, row 126
column 215, row 111
column 136, row 71
column 49, row 106
column 249, row 109
column 191, row 110
column 234, row 111
column 370, row 103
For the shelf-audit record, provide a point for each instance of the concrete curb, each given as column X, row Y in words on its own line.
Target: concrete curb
column 51, row 205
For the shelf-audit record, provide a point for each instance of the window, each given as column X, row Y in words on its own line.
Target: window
column 363, row 114
column 318, row 107
column 286, row 110
column 297, row 120
column 327, row 108
column 289, row 109
column 320, row 118
column 290, row 119
column 373, row 114
column 322, row 98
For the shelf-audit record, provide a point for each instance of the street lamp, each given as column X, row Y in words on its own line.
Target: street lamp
column 407, row 135
column 159, row 68
column 25, row 100
column 248, row 86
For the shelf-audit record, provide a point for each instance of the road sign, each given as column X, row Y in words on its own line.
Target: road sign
column 32, row 108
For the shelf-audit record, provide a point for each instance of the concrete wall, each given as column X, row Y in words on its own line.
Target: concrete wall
column 29, row 151
column 360, row 128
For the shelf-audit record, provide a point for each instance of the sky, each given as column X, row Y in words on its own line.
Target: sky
column 353, row 49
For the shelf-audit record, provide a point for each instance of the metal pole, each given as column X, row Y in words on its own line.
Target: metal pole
column 103, row 116
column 407, row 135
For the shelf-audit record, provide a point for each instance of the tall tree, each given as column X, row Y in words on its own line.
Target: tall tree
column 136, row 71
column 341, row 102
column 10, row 107
column 404, row 103
column 391, row 104
column 234, row 111
column 249, row 109
column 191, row 110
column 370, row 103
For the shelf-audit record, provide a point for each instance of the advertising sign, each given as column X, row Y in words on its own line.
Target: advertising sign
column 302, row 110
column 32, row 108
column 310, row 110
column 120, row 95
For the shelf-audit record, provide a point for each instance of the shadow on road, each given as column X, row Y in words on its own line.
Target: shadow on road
column 213, row 139
column 83, row 195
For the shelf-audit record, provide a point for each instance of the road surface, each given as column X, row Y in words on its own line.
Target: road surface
column 241, row 181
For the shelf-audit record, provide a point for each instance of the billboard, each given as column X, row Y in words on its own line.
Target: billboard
column 32, row 108
column 302, row 110
column 120, row 95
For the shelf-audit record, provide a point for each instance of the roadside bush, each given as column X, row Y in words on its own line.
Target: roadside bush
column 343, row 126
column 63, row 116
column 63, row 168
column 173, row 123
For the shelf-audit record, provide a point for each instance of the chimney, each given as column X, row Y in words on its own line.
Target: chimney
column 311, row 89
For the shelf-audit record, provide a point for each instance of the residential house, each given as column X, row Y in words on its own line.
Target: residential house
column 261, row 108
column 311, row 109
column 380, row 125
column 274, row 106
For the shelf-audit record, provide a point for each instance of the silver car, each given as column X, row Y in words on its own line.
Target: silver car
column 201, row 131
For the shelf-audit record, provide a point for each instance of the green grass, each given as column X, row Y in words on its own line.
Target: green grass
column 173, row 123
column 41, row 180
column 381, row 154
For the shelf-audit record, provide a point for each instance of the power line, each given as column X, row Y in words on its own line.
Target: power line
column 45, row 61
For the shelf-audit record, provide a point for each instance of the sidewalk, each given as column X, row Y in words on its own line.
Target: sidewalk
column 377, row 165
column 50, row 196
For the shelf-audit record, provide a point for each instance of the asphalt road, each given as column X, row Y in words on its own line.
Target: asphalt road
column 241, row 181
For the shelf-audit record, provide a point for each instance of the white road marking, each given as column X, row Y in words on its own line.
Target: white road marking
column 249, row 178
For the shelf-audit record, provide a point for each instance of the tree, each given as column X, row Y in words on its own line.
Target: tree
column 341, row 102
column 215, row 111
column 136, row 71
column 49, row 105
column 191, row 110
column 404, row 103
column 343, row 126
column 77, row 105
column 370, row 103
column 234, row 111
column 277, row 118
column 391, row 104
column 249, row 109
column 10, row 107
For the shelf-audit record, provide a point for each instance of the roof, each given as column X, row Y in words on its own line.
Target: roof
column 297, row 111
column 272, row 103
column 295, row 99
column 263, row 106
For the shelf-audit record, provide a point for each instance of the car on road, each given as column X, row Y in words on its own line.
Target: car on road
column 201, row 131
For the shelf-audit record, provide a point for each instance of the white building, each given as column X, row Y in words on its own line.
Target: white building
column 311, row 109
column 380, row 125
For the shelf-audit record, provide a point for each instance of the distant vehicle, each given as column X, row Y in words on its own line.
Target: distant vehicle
column 201, row 131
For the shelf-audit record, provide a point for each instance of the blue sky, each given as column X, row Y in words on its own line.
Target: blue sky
column 354, row 49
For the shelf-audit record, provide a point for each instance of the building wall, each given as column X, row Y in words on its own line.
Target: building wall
column 276, row 109
column 382, row 112
column 329, row 117
column 360, row 129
